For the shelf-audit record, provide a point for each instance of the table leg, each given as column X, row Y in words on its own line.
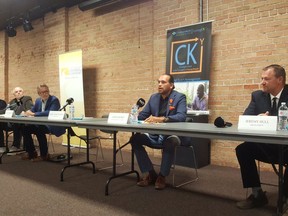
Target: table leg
column 114, row 175
column 280, row 203
column 69, row 155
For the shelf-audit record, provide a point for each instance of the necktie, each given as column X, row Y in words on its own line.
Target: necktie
column 274, row 107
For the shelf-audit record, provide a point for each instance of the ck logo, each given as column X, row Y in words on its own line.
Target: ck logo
column 186, row 56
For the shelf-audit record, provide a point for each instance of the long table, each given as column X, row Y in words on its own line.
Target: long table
column 199, row 130
column 67, row 123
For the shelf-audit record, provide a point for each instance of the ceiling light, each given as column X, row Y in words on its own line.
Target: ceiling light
column 27, row 26
column 10, row 30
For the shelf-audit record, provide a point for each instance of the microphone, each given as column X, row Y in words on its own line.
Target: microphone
column 68, row 102
column 11, row 106
column 140, row 103
column 219, row 122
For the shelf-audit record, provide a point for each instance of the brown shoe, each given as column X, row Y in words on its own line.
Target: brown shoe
column 160, row 183
column 146, row 181
column 26, row 156
column 41, row 158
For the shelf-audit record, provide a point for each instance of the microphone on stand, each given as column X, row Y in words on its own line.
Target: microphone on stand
column 68, row 102
column 140, row 103
column 133, row 118
column 11, row 106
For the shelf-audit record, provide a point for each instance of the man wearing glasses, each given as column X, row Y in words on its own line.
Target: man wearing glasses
column 42, row 107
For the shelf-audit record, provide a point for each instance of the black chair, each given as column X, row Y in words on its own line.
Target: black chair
column 99, row 138
column 187, row 144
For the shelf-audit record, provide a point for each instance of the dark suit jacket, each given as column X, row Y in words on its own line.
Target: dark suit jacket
column 261, row 102
column 51, row 104
column 176, row 110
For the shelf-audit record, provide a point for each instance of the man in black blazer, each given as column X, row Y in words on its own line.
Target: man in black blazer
column 274, row 88
column 19, row 104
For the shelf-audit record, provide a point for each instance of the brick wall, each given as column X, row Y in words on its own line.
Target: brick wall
column 124, row 52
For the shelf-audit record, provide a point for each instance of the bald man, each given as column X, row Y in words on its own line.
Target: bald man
column 19, row 104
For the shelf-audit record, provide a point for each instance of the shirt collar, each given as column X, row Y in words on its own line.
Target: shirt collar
column 277, row 96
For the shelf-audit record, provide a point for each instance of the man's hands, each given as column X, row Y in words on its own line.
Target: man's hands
column 28, row 113
column 155, row 119
column 264, row 114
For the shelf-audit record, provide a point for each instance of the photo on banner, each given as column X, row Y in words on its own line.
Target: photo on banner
column 197, row 94
column 188, row 60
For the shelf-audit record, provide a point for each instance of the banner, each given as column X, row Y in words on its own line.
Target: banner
column 71, row 86
column 188, row 60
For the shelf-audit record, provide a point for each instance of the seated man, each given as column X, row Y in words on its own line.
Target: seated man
column 19, row 104
column 167, row 105
column 42, row 106
column 263, row 102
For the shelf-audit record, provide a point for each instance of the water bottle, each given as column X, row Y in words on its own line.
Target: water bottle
column 71, row 111
column 282, row 116
column 134, row 115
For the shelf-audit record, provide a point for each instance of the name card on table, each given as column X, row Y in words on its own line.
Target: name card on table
column 9, row 113
column 118, row 118
column 248, row 122
column 57, row 115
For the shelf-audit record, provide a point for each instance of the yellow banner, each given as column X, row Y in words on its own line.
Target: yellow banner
column 71, row 86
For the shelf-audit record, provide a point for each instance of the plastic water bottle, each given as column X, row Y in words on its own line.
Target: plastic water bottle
column 134, row 115
column 282, row 116
column 71, row 111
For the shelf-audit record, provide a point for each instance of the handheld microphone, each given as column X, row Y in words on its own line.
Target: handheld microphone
column 219, row 122
column 68, row 102
column 140, row 102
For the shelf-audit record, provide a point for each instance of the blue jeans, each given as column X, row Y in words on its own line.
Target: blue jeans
column 166, row 143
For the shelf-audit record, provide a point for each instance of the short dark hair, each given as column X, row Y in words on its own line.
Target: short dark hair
column 171, row 79
column 278, row 70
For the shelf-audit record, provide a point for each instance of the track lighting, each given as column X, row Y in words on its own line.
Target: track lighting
column 10, row 30
column 27, row 26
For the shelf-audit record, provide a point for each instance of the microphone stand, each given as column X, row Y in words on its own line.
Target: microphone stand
column 64, row 107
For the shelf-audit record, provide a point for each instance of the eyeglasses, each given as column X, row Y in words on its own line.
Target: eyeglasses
column 43, row 92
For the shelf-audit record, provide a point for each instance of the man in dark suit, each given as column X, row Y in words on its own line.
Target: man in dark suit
column 165, row 106
column 19, row 104
column 274, row 89
column 42, row 107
